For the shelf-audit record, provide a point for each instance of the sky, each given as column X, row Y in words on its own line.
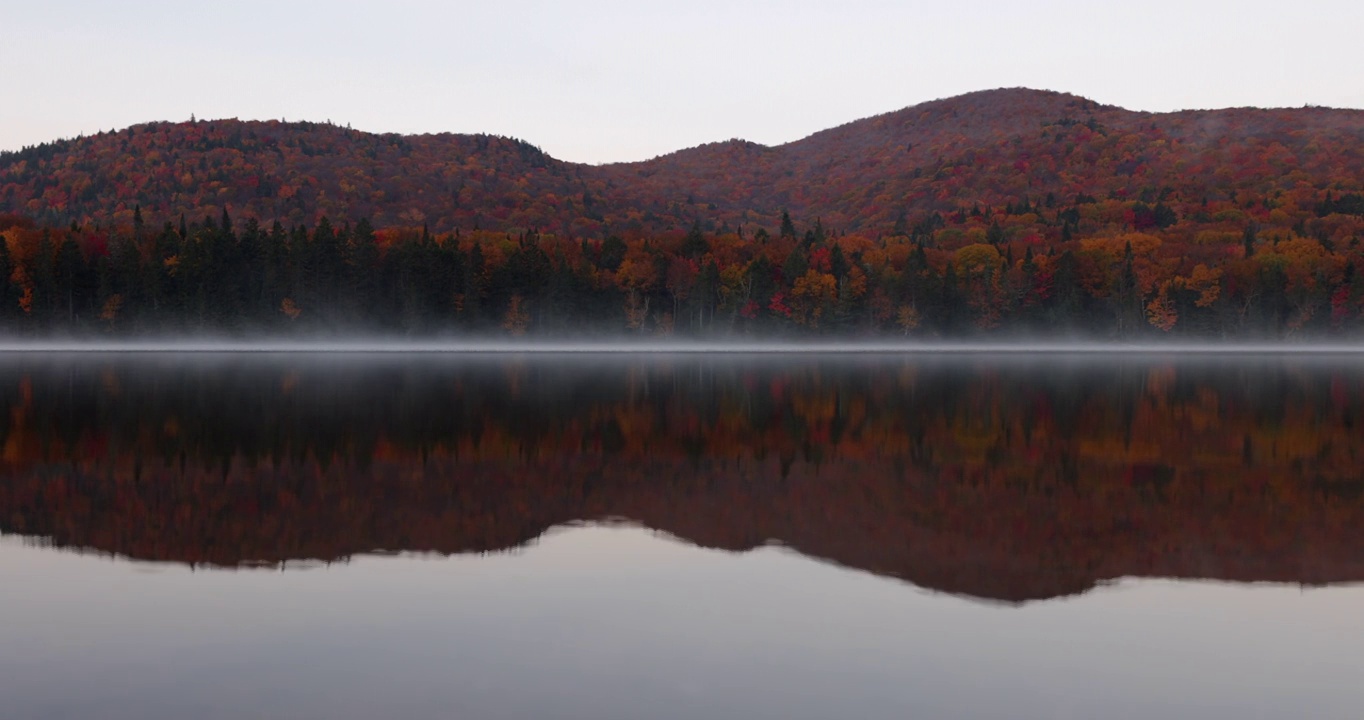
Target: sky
column 605, row 80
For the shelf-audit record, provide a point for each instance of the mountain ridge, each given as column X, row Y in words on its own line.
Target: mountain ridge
column 865, row 175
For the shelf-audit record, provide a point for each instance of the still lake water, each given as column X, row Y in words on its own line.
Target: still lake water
column 692, row 536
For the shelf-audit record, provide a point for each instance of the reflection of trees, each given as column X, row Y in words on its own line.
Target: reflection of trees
column 1009, row 482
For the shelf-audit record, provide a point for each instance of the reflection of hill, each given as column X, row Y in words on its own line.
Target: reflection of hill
column 981, row 483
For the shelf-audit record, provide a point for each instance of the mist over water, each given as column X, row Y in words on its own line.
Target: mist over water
column 474, row 346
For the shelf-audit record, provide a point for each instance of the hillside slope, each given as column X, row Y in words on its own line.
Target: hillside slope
column 872, row 175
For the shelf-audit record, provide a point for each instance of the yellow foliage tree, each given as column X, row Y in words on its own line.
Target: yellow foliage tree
column 109, row 312
column 1160, row 312
column 974, row 259
column 1204, row 281
column 516, row 320
column 907, row 318
column 810, row 294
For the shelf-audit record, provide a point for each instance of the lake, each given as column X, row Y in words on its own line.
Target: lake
column 691, row 535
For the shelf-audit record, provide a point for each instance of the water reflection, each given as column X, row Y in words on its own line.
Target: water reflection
column 1009, row 480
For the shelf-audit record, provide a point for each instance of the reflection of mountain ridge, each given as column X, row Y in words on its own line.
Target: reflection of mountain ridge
column 1002, row 545
column 985, row 483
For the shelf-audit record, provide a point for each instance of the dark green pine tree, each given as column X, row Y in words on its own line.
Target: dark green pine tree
column 223, row 274
column 9, row 292
column 612, row 253
column 950, row 302
column 44, row 274
column 69, row 275
column 158, row 280
column 694, row 245
column 795, row 266
column 276, row 283
column 914, row 281
column 249, row 259
column 328, row 268
column 362, row 271
column 302, row 267
column 1128, row 296
column 475, row 287
column 1066, row 300
column 706, row 294
column 995, row 234
column 762, row 277
column 125, row 280
column 838, row 264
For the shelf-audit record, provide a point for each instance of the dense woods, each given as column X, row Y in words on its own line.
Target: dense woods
column 965, row 274
column 1006, row 481
column 1003, row 211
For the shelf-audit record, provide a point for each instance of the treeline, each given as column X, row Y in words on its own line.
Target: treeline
column 969, row 272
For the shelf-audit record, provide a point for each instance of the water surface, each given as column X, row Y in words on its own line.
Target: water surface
column 513, row 535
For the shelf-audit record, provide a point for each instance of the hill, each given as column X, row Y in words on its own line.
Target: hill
column 989, row 148
column 1014, row 211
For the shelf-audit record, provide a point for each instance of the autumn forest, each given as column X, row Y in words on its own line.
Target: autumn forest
column 1003, row 212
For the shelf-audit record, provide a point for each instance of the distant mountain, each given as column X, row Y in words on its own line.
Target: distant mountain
column 874, row 175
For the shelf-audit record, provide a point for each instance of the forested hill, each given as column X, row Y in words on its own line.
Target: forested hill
column 1010, row 211
column 293, row 173
column 873, row 176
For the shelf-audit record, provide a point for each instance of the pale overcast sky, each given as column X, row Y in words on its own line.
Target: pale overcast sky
column 607, row 80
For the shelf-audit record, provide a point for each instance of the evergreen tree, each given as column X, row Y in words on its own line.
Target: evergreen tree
column 950, row 307
column 795, row 266
column 44, row 274
column 612, row 254
column 474, row 287
column 706, row 294
column 9, row 292
column 1128, row 296
column 1067, row 304
column 69, row 276
column 362, row 267
column 694, row 245
column 994, row 235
